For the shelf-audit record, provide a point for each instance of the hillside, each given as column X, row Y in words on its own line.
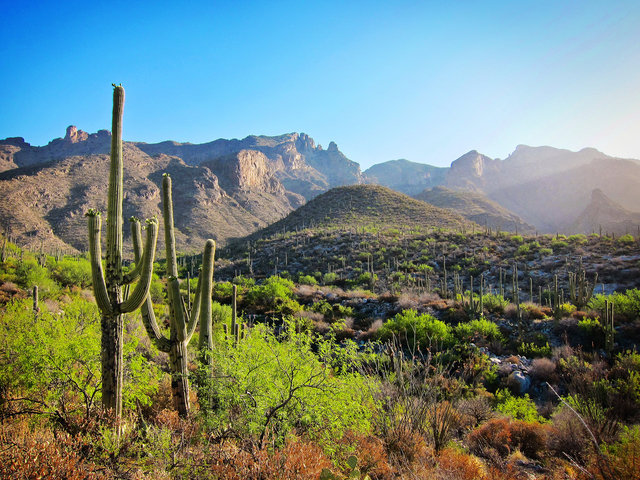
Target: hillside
column 371, row 206
column 475, row 207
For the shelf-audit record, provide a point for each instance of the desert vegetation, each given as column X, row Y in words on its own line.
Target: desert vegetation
column 359, row 344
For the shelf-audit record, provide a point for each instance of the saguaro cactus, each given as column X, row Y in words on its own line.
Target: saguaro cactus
column 107, row 285
column 182, row 320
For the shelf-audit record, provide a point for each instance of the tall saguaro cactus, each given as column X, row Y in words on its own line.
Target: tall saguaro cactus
column 182, row 321
column 107, row 284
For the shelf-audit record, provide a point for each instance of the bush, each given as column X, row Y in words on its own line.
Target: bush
column 268, row 385
column 275, row 295
column 52, row 363
column 485, row 329
column 505, row 436
column 494, row 303
column 520, row 408
column 626, row 239
column 532, row 350
column 68, row 272
column 307, row 280
column 423, row 331
column 29, row 274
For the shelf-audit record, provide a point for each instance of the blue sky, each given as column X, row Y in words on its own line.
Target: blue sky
column 425, row 81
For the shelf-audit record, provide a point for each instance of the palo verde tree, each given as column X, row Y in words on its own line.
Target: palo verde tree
column 107, row 284
column 182, row 321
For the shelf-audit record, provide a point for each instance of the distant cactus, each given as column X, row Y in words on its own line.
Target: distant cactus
column 107, row 286
column 183, row 321
column 580, row 290
column 609, row 328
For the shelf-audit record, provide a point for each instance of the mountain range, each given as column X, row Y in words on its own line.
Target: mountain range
column 227, row 189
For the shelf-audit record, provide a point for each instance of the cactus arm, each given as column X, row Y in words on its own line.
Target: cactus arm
column 206, row 340
column 151, row 326
column 136, row 299
column 136, row 238
column 195, row 312
column 95, row 251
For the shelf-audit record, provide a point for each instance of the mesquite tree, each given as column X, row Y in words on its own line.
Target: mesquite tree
column 107, row 285
column 182, row 321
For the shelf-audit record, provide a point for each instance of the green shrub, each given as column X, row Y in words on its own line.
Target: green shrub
column 275, row 295
column 494, row 303
column 578, row 239
column 483, row 328
column 268, row 385
column 557, row 244
column 416, row 330
column 329, row 278
column 68, row 272
column 520, row 408
column 517, row 238
column 52, row 363
column 626, row 305
column 626, row 239
column 307, row 280
column 29, row 273
column 523, row 249
column 531, row 350
column 545, row 251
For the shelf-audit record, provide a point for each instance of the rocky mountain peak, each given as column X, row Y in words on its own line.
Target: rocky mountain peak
column 304, row 143
column 332, row 147
column 471, row 163
column 73, row 135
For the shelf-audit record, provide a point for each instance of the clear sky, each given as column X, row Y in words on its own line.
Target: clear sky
column 421, row 80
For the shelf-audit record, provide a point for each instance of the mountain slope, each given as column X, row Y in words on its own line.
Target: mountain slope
column 223, row 189
column 367, row 206
column 475, row 207
column 405, row 176
column 603, row 214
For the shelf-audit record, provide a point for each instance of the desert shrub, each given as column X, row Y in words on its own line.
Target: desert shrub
column 417, row 330
column 268, row 385
column 578, row 239
column 494, row 303
column 626, row 239
column 274, row 294
column 542, row 369
column 557, row 244
column 329, row 278
column 532, row 350
column 29, row 273
column 523, row 249
column 520, row 408
column 307, row 280
column 591, row 329
column 517, row 238
column 505, row 436
column 453, row 463
column 626, row 305
column 481, row 329
column 565, row 310
column 545, row 252
column 68, row 272
column 51, row 365
column 622, row 458
column 569, row 435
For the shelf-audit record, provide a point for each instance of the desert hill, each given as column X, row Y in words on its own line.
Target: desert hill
column 372, row 206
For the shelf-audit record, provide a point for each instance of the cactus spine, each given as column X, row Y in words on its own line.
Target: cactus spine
column 183, row 321
column 107, row 285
